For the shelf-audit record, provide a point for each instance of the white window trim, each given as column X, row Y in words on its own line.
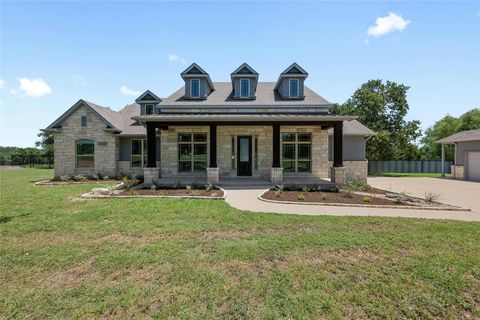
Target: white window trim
column 142, row 153
column 191, row 88
column 289, row 88
column 248, row 88
column 149, row 105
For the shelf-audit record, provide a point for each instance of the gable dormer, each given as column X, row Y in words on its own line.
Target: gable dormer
column 244, row 82
column 198, row 84
column 148, row 102
column 290, row 84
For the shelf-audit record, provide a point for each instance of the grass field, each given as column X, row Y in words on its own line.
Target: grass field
column 410, row 174
column 61, row 257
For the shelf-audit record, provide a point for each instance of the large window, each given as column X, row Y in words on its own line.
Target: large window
column 85, row 153
column 195, row 88
column 293, row 88
column 244, row 88
column 296, row 152
column 139, row 153
column 192, row 152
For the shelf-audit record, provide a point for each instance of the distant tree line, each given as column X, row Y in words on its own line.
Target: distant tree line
column 382, row 106
column 44, row 148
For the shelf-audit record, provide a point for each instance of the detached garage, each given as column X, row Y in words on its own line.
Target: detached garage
column 467, row 154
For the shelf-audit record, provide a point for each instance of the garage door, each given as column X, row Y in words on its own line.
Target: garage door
column 474, row 166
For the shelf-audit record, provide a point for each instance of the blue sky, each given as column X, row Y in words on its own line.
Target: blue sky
column 54, row 53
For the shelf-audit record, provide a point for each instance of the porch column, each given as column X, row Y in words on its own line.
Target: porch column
column 213, row 174
column 151, row 173
column 151, row 145
column 443, row 160
column 276, row 173
column 338, row 144
column 338, row 172
column 213, row 146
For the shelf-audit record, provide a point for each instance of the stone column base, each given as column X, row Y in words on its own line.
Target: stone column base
column 276, row 175
column 213, row 175
column 150, row 175
column 338, row 175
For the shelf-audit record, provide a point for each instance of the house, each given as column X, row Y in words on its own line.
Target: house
column 215, row 130
column 467, row 154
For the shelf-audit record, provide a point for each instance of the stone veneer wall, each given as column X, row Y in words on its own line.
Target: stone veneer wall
column 458, row 172
column 354, row 170
column 106, row 145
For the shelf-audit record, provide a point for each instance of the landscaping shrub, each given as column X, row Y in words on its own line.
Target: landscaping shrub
column 367, row 199
column 358, row 185
column 65, row 178
column 301, row 196
column 79, row 177
column 431, row 197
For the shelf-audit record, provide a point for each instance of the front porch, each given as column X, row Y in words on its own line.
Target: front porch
column 221, row 152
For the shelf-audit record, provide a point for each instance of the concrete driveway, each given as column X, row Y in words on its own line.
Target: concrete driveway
column 456, row 192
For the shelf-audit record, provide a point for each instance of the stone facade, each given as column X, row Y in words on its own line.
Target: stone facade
column 338, row 175
column 354, row 170
column 106, row 145
column 458, row 172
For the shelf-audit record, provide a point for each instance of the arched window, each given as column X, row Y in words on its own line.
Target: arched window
column 85, row 153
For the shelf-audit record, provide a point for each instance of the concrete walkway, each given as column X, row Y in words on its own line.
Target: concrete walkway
column 246, row 199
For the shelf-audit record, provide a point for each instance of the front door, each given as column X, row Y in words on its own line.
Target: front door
column 244, row 156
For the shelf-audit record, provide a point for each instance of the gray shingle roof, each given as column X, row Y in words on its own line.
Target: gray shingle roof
column 469, row 135
column 222, row 96
column 354, row 128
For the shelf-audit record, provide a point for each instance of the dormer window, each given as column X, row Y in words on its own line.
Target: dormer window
column 149, row 109
column 195, row 88
column 293, row 88
column 244, row 88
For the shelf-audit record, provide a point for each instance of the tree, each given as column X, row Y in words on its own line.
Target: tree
column 383, row 107
column 445, row 127
column 46, row 143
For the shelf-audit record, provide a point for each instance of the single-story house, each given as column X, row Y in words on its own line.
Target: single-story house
column 215, row 130
column 467, row 154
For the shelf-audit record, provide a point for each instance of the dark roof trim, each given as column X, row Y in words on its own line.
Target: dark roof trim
column 156, row 99
column 244, row 65
column 284, row 74
column 203, row 74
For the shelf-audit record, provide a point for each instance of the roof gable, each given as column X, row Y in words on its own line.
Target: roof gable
column 294, row 68
column 148, row 96
column 193, row 69
column 244, row 69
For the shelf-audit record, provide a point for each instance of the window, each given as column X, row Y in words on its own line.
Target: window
column 192, row 152
column 244, row 88
column 83, row 121
column 195, row 88
column 139, row 153
column 149, row 109
column 296, row 152
column 293, row 88
column 85, row 153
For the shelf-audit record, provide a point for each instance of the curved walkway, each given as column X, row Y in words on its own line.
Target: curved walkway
column 246, row 199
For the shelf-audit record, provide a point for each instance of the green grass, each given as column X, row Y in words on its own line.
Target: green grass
column 61, row 257
column 410, row 174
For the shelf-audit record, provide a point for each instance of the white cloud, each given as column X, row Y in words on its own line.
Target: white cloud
column 129, row 92
column 80, row 79
column 387, row 24
column 32, row 87
column 174, row 58
column 2, row 83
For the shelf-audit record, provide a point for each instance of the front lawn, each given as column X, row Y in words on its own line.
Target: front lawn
column 62, row 257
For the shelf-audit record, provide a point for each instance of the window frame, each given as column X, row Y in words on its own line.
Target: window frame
column 82, row 123
column 192, row 143
column 248, row 88
column 77, row 155
column 143, row 153
column 290, row 88
column 191, row 88
column 296, row 143
column 149, row 106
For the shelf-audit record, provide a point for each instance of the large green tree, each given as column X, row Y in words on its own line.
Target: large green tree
column 382, row 106
column 445, row 127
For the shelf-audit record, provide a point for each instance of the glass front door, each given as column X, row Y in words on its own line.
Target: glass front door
column 244, row 156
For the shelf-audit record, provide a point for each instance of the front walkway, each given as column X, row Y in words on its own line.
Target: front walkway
column 246, row 199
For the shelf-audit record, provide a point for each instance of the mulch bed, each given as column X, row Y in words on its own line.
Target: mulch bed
column 331, row 197
column 174, row 192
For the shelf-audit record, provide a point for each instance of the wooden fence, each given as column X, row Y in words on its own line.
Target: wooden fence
column 404, row 166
